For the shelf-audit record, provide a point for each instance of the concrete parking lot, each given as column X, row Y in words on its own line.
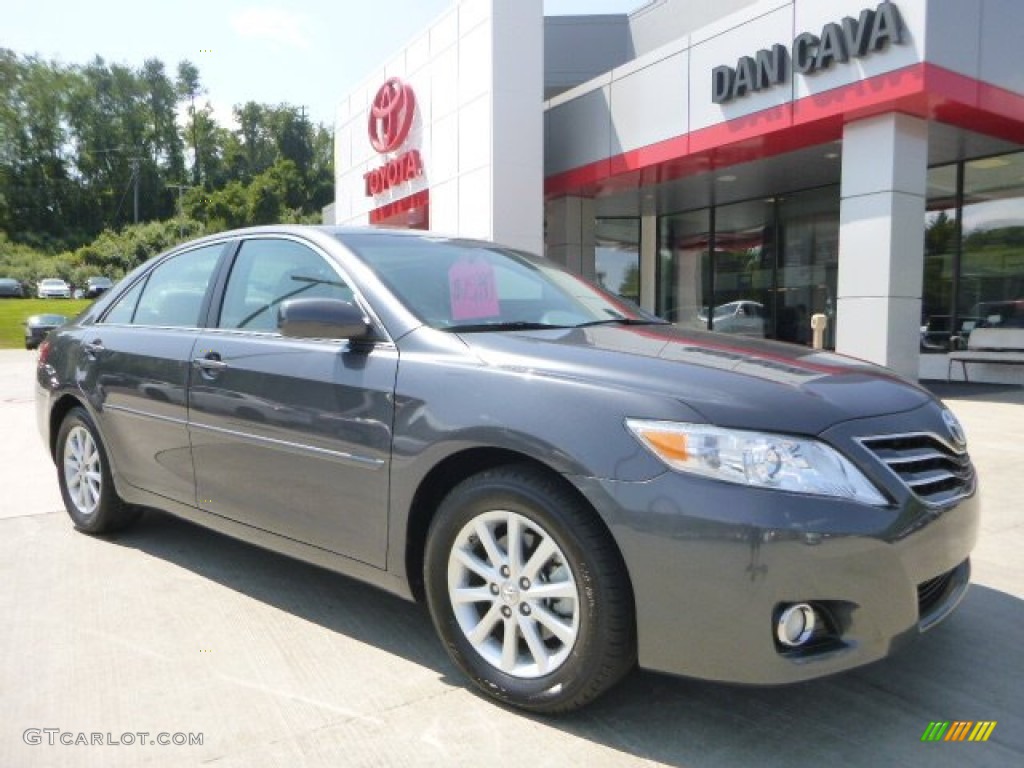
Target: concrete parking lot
column 175, row 632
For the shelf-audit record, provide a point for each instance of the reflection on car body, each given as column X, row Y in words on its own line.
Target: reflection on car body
column 572, row 486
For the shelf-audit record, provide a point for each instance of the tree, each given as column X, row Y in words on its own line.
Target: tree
column 168, row 150
column 940, row 234
column 76, row 141
column 189, row 87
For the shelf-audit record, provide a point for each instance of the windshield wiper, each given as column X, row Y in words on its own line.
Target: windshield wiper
column 516, row 325
column 624, row 321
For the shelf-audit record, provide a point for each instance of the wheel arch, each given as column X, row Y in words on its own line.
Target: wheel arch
column 451, row 471
column 64, row 405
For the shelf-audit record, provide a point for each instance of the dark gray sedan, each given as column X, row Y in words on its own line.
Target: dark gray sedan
column 10, row 288
column 573, row 486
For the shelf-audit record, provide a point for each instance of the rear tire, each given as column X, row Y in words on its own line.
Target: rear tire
column 85, row 481
column 528, row 592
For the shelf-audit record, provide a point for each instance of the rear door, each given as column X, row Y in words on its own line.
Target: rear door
column 136, row 367
column 292, row 436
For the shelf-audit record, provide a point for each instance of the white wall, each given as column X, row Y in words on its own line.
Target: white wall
column 477, row 73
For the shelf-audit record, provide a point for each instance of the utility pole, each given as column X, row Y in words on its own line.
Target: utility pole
column 181, row 208
column 135, row 178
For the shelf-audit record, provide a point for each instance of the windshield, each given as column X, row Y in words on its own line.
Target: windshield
column 471, row 286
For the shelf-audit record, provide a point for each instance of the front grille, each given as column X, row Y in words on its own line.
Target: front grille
column 929, row 467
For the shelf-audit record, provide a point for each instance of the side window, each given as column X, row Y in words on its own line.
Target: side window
column 172, row 295
column 268, row 272
column 124, row 310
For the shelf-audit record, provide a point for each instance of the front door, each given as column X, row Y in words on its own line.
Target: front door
column 292, row 436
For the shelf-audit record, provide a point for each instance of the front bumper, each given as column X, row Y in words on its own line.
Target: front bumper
column 708, row 589
column 712, row 565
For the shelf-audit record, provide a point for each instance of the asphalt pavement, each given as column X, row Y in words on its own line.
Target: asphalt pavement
column 234, row 656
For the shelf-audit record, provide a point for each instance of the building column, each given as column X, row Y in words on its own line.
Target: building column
column 569, row 239
column 881, row 241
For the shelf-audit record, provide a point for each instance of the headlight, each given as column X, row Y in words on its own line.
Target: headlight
column 759, row 459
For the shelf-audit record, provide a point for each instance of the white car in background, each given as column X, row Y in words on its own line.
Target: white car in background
column 746, row 318
column 53, row 288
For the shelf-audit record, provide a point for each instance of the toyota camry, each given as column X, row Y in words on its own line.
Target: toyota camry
column 573, row 486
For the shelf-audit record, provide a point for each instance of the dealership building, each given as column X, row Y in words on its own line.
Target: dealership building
column 735, row 164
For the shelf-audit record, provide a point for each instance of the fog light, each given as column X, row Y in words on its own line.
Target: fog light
column 796, row 625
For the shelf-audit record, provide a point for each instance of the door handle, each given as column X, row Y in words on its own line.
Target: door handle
column 210, row 365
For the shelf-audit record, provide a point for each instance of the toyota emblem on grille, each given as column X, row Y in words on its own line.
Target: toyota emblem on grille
column 391, row 115
column 955, row 430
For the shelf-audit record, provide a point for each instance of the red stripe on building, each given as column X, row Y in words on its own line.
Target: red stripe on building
column 392, row 213
column 924, row 90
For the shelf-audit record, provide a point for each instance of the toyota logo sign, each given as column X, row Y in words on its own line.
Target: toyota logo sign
column 391, row 115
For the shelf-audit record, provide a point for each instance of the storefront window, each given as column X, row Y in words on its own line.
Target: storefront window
column 684, row 270
column 974, row 249
column 744, row 264
column 617, row 256
column 775, row 264
column 940, row 257
column 991, row 289
column 809, row 264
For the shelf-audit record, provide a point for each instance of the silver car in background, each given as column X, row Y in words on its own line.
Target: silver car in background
column 53, row 288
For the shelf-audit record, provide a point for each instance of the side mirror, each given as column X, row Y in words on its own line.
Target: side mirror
column 324, row 319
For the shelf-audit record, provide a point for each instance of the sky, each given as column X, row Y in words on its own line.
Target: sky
column 307, row 53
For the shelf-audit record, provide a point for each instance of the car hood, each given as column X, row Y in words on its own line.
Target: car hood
column 731, row 381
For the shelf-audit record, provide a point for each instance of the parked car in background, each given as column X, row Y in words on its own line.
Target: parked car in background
column 937, row 336
column 1000, row 314
column 744, row 318
column 10, row 288
column 53, row 288
column 37, row 326
column 96, row 286
column 573, row 486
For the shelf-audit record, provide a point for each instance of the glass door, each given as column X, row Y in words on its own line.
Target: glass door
column 808, row 266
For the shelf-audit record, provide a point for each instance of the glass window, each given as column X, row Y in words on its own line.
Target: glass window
column 124, row 310
column 684, row 267
column 268, row 272
column 462, row 285
column 991, row 285
column 940, row 258
column 172, row 295
column 617, row 256
column 745, row 247
column 808, row 264
column 776, row 263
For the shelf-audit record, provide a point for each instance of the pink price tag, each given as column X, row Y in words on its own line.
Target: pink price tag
column 474, row 293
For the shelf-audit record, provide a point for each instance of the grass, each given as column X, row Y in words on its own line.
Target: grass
column 13, row 313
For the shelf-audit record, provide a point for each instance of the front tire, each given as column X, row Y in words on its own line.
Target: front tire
column 528, row 591
column 85, row 480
